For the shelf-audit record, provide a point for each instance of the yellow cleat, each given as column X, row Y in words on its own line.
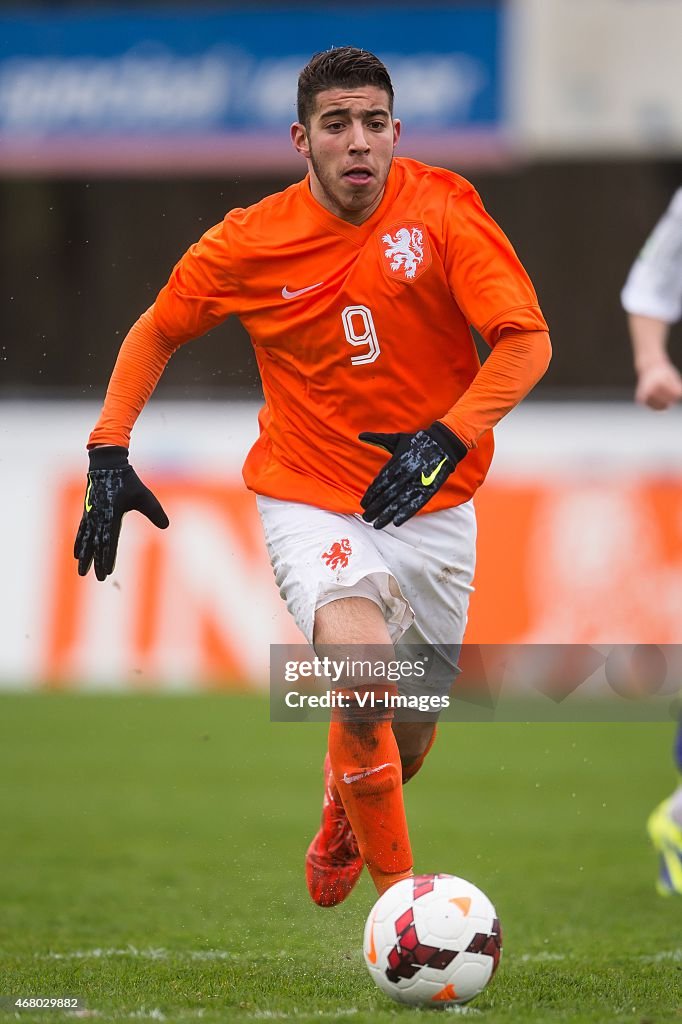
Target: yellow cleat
column 666, row 835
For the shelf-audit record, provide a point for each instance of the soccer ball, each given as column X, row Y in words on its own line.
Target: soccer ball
column 432, row 940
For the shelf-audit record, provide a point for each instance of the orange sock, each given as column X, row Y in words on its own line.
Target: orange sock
column 411, row 769
column 366, row 764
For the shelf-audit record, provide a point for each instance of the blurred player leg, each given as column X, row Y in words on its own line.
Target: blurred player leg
column 665, row 829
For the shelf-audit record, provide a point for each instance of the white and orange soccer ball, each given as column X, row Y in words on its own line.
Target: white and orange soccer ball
column 432, row 940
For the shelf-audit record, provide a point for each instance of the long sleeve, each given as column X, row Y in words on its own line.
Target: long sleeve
column 200, row 294
column 517, row 362
column 654, row 285
column 141, row 361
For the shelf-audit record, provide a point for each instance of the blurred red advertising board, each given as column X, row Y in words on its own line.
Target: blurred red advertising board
column 197, row 604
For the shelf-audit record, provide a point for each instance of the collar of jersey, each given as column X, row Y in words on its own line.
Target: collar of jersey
column 356, row 233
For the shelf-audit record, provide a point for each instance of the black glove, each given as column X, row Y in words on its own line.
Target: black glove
column 419, row 466
column 114, row 488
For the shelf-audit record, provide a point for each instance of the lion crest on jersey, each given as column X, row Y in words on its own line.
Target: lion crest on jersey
column 406, row 252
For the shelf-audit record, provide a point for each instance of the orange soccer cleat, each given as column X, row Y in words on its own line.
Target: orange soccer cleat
column 333, row 862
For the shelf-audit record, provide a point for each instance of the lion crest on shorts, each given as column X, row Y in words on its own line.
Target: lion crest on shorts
column 338, row 555
column 405, row 250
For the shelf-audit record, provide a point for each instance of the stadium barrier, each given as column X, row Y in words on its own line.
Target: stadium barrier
column 580, row 541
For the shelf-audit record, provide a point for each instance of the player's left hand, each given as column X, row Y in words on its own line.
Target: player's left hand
column 420, row 464
column 113, row 489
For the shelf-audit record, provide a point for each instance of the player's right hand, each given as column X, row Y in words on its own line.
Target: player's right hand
column 113, row 489
column 420, row 464
column 659, row 386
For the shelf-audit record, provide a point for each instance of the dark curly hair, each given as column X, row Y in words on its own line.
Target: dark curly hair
column 339, row 68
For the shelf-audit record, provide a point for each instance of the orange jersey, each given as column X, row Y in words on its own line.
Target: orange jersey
column 355, row 327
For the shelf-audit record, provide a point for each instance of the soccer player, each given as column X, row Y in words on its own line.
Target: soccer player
column 652, row 299
column 358, row 286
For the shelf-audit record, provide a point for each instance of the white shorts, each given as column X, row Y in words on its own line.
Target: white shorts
column 420, row 574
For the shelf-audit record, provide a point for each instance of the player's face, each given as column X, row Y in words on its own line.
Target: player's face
column 349, row 148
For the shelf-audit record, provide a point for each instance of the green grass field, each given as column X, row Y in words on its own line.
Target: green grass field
column 152, row 864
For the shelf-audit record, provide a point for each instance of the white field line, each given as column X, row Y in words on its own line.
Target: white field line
column 145, row 954
column 663, row 956
column 675, row 955
column 334, row 1014
column 470, row 1011
column 294, row 1014
column 274, row 1015
column 142, row 1014
column 538, row 958
column 155, row 1014
column 160, row 953
column 348, row 1011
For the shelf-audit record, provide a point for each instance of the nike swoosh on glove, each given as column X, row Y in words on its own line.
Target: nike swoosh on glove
column 420, row 464
column 114, row 488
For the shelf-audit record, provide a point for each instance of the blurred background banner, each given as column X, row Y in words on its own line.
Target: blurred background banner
column 599, row 77
column 580, row 542
column 123, row 89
